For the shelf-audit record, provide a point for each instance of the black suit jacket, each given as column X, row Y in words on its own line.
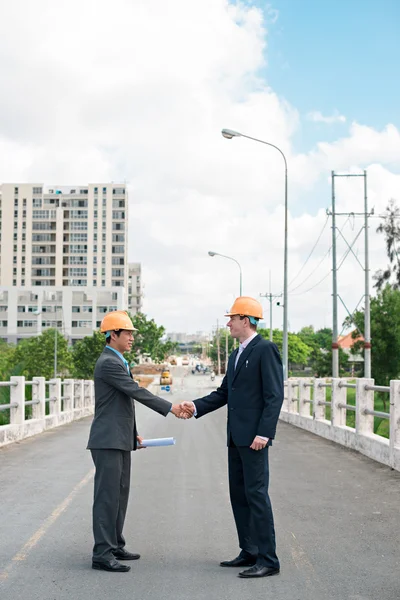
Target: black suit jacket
column 114, row 423
column 253, row 392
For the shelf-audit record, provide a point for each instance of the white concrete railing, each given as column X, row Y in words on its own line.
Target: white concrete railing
column 68, row 400
column 296, row 411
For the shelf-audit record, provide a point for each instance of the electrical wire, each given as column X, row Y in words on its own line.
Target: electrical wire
column 312, row 250
column 320, row 262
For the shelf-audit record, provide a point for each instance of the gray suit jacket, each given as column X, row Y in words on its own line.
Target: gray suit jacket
column 114, row 423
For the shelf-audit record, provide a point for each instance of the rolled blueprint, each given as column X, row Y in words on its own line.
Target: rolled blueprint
column 159, row 442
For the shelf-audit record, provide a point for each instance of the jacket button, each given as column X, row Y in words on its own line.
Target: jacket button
column 233, row 389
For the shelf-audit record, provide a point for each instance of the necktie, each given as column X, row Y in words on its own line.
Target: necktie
column 238, row 354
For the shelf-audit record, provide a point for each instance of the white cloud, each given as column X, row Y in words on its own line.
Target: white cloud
column 317, row 117
column 140, row 92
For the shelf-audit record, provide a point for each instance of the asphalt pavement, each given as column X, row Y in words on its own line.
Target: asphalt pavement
column 337, row 516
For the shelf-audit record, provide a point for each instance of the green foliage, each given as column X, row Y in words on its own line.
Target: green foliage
column 390, row 227
column 148, row 340
column 85, row 354
column 298, row 351
column 321, row 362
column 385, row 334
column 35, row 355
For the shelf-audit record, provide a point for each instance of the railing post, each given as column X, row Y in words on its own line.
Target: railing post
column 364, row 400
column 339, row 396
column 68, row 393
column 78, row 395
column 55, row 392
column 394, row 440
column 39, row 393
column 319, row 396
column 292, row 397
column 17, row 395
column 89, row 384
column 304, row 395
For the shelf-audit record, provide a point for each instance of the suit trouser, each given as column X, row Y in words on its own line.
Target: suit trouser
column 111, row 493
column 252, row 510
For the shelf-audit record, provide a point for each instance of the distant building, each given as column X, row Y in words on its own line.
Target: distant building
column 63, row 236
column 135, row 295
column 75, row 311
column 346, row 342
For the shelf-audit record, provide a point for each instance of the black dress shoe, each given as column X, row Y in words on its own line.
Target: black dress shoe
column 239, row 561
column 122, row 554
column 259, row 571
column 113, row 566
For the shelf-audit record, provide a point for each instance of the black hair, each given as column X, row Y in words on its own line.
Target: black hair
column 108, row 339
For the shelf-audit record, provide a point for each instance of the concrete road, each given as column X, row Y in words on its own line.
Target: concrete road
column 337, row 517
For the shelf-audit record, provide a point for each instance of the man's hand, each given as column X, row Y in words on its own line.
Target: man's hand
column 178, row 411
column 188, row 409
column 140, row 441
column 259, row 443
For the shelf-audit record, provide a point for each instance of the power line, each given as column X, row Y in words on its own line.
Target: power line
column 320, row 262
column 312, row 250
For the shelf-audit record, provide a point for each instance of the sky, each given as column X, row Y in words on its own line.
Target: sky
column 137, row 91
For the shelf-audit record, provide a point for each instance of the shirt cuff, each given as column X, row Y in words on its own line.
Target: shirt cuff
column 263, row 438
column 195, row 410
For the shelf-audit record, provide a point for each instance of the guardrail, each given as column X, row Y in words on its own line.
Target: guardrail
column 53, row 403
column 310, row 413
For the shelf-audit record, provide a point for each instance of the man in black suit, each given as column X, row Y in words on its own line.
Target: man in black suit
column 113, row 436
column 253, row 391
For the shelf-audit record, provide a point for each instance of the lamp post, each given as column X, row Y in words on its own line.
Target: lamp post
column 234, row 260
column 229, row 134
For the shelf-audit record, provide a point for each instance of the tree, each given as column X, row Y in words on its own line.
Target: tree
column 385, row 334
column 390, row 227
column 321, row 362
column 36, row 355
column 85, row 353
column 298, row 351
column 148, row 340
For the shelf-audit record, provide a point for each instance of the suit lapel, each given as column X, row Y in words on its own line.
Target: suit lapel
column 231, row 364
column 245, row 355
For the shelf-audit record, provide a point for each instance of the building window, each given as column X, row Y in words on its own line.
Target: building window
column 104, row 214
column 94, row 282
column 15, row 214
column 37, row 190
column 15, row 248
column 103, row 239
column 96, row 190
column 4, row 323
column 15, row 224
column 103, row 282
column 96, row 203
column 24, row 237
column 103, row 248
column 24, row 202
column 94, row 272
column 95, row 214
column 14, row 282
column 104, row 190
column 76, row 309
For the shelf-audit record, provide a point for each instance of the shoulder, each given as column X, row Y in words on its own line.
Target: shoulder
column 266, row 347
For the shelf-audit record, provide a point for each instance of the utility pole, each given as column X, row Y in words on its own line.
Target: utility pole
column 367, row 317
column 226, row 350
column 218, row 351
column 365, row 267
column 335, row 346
column 270, row 296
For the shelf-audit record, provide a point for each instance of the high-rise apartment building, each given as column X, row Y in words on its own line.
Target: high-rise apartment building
column 135, row 294
column 61, row 236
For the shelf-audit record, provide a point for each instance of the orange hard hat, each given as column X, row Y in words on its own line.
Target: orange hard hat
column 246, row 307
column 115, row 321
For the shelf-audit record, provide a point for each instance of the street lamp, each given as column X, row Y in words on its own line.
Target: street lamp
column 229, row 134
column 234, row 260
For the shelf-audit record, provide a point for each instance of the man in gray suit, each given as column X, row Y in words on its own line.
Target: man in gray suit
column 113, row 436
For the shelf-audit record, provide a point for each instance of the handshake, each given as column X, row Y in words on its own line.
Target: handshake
column 184, row 410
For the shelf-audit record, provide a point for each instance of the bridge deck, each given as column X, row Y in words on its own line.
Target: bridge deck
column 337, row 518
